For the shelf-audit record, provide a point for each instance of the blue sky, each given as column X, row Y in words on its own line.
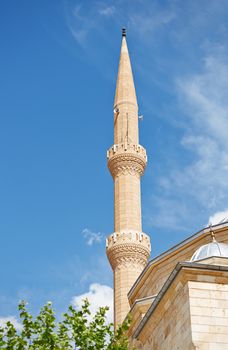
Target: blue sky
column 58, row 67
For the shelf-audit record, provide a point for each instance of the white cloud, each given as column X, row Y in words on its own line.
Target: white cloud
column 204, row 99
column 78, row 23
column 148, row 22
column 98, row 295
column 13, row 320
column 83, row 21
column 107, row 11
column 202, row 183
column 219, row 217
column 92, row 237
column 206, row 103
column 207, row 97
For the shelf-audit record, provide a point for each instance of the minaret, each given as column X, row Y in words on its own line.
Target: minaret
column 128, row 248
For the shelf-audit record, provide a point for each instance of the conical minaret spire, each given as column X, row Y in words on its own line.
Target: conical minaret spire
column 128, row 248
column 125, row 100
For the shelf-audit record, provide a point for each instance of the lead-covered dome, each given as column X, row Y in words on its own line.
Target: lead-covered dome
column 213, row 248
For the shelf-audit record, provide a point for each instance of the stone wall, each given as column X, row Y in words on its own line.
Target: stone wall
column 169, row 327
column 209, row 315
column 190, row 312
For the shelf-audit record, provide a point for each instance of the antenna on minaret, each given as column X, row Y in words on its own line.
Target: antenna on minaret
column 127, row 128
column 123, row 31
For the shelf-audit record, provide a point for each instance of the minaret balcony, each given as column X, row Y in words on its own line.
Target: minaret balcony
column 128, row 246
column 127, row 158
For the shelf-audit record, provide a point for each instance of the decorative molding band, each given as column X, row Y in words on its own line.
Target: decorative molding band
column 126, row 163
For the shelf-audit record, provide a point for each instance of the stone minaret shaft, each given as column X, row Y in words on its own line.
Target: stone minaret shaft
column 128, row 248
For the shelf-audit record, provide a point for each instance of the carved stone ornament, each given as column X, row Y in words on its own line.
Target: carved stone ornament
column 126, row 163
column 120, row 255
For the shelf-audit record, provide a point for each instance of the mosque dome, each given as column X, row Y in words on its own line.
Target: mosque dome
column 213, row 248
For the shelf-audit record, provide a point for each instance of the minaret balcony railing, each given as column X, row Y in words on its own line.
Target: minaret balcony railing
column 126, row 147
column 128, row 236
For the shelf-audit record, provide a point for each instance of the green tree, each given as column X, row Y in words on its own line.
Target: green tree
column 74, row 332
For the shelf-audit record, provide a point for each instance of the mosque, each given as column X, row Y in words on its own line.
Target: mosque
column 178, row 300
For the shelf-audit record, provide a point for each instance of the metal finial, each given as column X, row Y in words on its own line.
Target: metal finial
column 212, row 233
column 123, row 31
